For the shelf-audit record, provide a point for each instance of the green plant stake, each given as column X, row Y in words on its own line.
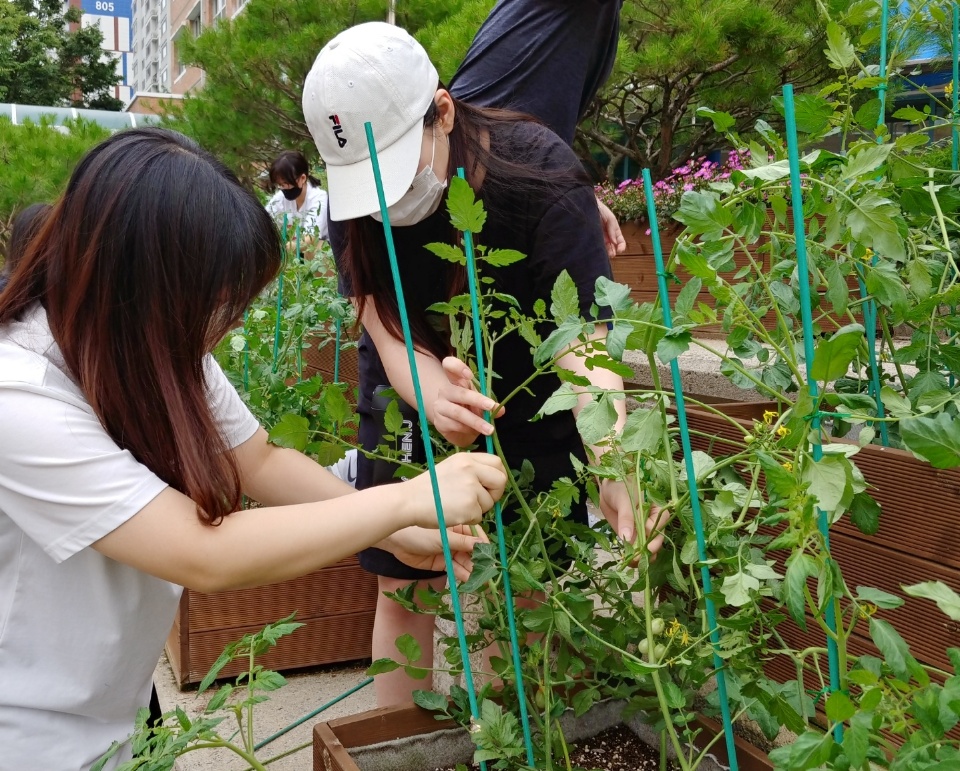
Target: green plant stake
column 349, row 692
column 300, row 341
column 955, row 154
column 796, row 193
column 336, row 353
column 498, row 515
column 425, row 433
column 691, row 480
column 276, row 333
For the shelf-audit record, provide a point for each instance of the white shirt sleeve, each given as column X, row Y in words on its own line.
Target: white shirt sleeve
column 322, row 216
column 65, row 482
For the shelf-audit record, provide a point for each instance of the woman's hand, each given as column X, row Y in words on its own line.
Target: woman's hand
column 470, row 483
column 618, row 509
column 458, row 409
column 612, row 235
column 422, row 549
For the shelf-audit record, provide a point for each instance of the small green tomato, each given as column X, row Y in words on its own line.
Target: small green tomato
column 659, row 651
column 643, row 647
column 658, row 625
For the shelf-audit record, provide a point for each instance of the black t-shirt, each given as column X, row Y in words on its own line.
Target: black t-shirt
column 547, row 58
column 558, row 229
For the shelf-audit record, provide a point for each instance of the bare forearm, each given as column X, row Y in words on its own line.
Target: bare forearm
column 255, row 546
column 286, row 477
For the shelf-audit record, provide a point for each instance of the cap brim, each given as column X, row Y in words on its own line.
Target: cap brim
column 353, row 188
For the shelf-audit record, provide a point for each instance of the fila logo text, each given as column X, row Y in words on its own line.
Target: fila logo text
column 338, row 130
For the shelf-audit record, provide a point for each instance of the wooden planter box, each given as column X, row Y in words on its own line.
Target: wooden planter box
column 337, row 604
column 320, row 358
column 333, row 741
column 918, row 540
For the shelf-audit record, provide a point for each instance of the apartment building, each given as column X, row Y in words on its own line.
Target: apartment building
column 150, row 70
column 113, row 17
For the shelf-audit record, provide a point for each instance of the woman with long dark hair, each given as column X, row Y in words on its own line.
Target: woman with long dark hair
column 538, row 201
column 124, row 451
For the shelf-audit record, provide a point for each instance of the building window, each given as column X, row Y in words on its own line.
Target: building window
column 195, row 27
column 163, row 27
column 219, row 7
column 163, row 52
column 163, row 80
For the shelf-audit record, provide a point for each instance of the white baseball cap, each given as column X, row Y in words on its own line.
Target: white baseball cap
column 372, row 72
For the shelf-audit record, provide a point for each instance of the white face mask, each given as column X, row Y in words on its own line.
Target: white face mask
column 421, row 200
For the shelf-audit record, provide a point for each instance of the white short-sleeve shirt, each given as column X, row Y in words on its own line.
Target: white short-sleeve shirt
column 80, row 634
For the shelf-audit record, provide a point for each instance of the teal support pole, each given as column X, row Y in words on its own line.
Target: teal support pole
column 336, row 352
column 362, row 684
column 803, row 270
column 955, row 155
column 498, row 514
column 705, row 579
column 424, row 430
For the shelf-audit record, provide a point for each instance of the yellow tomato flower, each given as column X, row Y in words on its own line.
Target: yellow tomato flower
column 769, row 416
column 787, row 465
column 948, row 89
column 782, row 431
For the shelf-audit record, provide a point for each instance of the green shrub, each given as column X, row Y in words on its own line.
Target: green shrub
column 36, row 161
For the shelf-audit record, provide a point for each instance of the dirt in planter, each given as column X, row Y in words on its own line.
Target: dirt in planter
column 616, row 749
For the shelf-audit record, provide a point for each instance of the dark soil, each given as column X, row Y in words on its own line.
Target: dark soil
column 616, row 749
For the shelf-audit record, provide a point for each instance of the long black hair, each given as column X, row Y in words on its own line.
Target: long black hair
column 150, row 257
column 509, row 173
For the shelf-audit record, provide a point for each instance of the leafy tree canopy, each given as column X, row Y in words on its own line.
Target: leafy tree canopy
column 730, row 55
column 42, row 62
column 256, row 64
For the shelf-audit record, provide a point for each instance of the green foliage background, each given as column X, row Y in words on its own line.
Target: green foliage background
column 36, row 161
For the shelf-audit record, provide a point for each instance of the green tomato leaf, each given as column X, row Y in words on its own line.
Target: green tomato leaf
column 503, row 257
column 409, row 647
column 892, row 646
column 878, row 597
column 799, row 568
column 867, row 160
column 643, row 431
column 833, row 356
column 703, row 213
column 672, row 344
column 935, row 440
column 856, row 742
column 947, row 600
column 435, row 702
column 596, row 420
column 874, row 222
column 466, row 212
column 736, row 588
column 610, row 294
column 564, row 398
column 829, row 479
column 809, row 750
column 380, row 666
column 865, row 514
column 722, row 121
column 839, row 707
column 839, row 50
column 447, row 252
column 291, row 431
column 565, row 299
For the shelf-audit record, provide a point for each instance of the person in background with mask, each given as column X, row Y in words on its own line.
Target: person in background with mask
column 538, row 200
column 298, row 195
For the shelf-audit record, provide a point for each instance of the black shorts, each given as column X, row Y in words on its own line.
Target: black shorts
column 549, row 465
